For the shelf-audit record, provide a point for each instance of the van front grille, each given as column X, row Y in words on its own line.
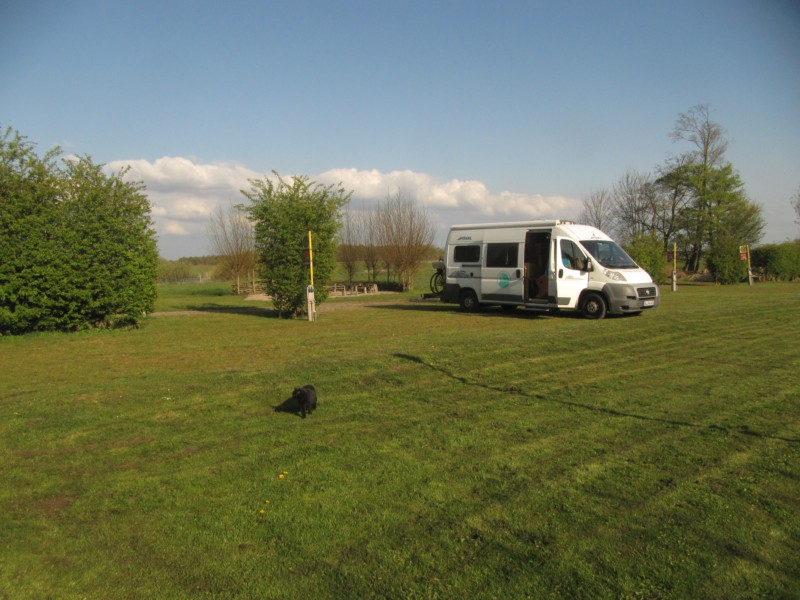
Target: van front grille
column 648, row 292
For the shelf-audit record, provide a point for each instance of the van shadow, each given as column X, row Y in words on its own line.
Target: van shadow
column 740, row 430
column 496, row 312
column 413, row 305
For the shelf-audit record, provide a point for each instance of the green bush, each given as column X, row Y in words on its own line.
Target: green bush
column 777, row 261
column 283, row 214
column 648, row 252
column 724, row 261
column 77, row 248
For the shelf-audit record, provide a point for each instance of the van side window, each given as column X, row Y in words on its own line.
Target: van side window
column 501, row 255
column 467, row 254
column 571, row 256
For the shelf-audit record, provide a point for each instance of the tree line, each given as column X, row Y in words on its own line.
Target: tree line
column 695, row 201
column 396, row 235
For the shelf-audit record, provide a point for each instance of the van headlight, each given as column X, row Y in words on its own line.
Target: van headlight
column 614, row 275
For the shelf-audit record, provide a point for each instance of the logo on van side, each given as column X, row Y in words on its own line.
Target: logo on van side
column 464, row 238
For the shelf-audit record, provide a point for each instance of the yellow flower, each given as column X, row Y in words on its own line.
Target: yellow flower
column 281, row 476
column 266, row 501
column 262, row 511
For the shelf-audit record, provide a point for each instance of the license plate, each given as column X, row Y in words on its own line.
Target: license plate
column 649, row 303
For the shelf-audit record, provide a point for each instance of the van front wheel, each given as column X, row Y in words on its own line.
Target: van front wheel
column 594, row 306
column 468, row 301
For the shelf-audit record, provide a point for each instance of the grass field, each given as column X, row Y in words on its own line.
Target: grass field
column 487, row 455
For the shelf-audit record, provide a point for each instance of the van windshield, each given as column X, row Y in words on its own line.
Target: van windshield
column 609, row 254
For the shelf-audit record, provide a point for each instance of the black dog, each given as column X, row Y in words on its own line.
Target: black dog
column 306, row 396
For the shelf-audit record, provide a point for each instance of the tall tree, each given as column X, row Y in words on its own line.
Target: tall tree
column 708, row 138
column 707, row 184
column 284, row 212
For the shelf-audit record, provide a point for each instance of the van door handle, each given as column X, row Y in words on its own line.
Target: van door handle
column 519, row 273
column 560, row 273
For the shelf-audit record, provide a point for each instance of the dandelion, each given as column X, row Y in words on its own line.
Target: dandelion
column 262, row 512
column 266, row 501
column 281, row 476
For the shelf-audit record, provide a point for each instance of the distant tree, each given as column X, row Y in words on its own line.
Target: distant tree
column 674, row 197
column 284, row 212
column 232, row 239
column 77, row 246
column 407, row 235
column 350, row 240
column 636, row 206
column 372, row 249
column 174, row 270
column 598, row 210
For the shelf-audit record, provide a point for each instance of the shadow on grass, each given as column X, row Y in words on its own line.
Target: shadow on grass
column 290, row 406
column 484, row 311
column 252, row 311
column 412, row 306
column 740, row 430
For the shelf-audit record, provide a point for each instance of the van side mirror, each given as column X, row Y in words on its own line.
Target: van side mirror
column 589, row 265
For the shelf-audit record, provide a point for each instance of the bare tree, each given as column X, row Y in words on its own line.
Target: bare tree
column 696, row 127
column 369, row 223
column 407, row 235
column 636, row 205
column 676, row 197
column 350, row 235
column 232, row 239
column 598, row 210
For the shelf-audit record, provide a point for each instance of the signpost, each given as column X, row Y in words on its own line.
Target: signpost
column 744, row 254
column 311, row 305
column 674, row 266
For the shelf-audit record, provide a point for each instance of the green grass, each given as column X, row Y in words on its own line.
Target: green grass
column 452, row 456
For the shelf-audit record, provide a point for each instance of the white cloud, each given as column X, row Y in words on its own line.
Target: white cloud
column 174, row 228
column 175, row 172
column 454, row 201
column 184, row 193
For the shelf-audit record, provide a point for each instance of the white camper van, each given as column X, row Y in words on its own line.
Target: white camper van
column 544, row 265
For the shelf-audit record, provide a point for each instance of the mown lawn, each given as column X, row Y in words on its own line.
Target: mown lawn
column 452, row 456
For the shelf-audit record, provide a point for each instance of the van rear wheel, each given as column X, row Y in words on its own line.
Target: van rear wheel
column 594, row 306
column 468, row 301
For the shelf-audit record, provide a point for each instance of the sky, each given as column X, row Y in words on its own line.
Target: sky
column 480, row 111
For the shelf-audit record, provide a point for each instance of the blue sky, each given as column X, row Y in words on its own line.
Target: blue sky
column 482, row 111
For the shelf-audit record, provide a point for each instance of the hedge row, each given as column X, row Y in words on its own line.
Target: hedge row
column 777, row 261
